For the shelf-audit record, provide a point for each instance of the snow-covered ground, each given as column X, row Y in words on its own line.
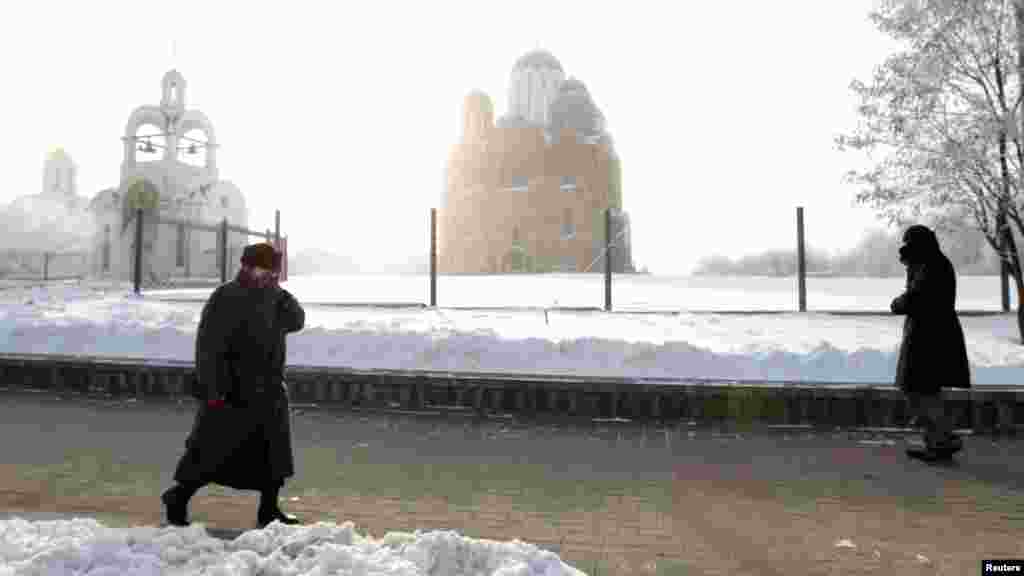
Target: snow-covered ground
column 87, row 548
column 110, row 321
column 629, row 292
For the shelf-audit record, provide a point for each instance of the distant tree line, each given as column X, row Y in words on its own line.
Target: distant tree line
column 874, row 256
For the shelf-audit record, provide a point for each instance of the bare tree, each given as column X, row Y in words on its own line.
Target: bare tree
column 943, row 114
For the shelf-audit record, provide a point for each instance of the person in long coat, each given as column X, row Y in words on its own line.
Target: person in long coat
column 241, row 436
column 933, row 354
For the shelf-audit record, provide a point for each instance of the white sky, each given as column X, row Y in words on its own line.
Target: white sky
column 342, row 114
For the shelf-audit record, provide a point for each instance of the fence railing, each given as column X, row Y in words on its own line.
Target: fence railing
column 32, row 265
column 608, row 254
column 169, row 253
column 605, row 255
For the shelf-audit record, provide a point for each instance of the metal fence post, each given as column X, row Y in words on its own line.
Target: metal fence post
column 284, row 259
column 801, row 263
column 433, row 256
column 137, row 273
column 223, row 250
column 277, row 229
column 187, row 256
column 608, row 259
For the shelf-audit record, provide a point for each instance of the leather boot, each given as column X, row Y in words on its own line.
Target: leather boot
column 265, row 517
column 269, row 510
column 176, row 506
column 937, row 451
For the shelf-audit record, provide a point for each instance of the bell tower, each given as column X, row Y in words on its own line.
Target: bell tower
column 172, row 104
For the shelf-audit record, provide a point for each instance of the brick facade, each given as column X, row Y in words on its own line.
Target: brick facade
column 486, row 209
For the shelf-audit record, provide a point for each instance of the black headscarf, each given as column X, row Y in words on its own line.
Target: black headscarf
column 920, row 244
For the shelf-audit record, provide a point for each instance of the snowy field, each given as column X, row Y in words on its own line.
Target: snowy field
column 86, row 547
column 629, row 292
column 94, row 320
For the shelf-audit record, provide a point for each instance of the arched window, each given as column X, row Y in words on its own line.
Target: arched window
column 515, row 234
column 192, row 148
column 518, row 184
column 568, row 227
column 223, row 201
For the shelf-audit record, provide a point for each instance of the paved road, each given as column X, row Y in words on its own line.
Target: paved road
column 153, row 434
column 717, row 498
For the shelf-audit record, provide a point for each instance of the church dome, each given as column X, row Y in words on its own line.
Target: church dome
column 539, row 59
column 58, row 154
column 577, row 111
column 479, row 102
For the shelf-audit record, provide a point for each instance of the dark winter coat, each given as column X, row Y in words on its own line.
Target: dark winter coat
column 240, row 357
column 933, row 354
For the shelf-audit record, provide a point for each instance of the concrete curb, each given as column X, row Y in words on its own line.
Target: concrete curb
column 985, row 409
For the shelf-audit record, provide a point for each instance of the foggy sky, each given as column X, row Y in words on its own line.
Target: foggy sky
column 343, row 115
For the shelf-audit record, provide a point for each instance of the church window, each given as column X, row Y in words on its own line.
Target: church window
column 568, row 227
column 223, row 201
column 568, row 183
column 179, row 259
column 519, row 184
column 515, row 234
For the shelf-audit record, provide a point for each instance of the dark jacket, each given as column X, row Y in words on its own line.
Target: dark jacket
column 240, row 358
column 933, row 354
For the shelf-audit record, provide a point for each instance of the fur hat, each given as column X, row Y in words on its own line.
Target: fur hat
column 261, row 255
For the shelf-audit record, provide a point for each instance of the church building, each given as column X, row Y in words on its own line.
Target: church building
column 528, row 193
column 169, row 169
column 53, row 220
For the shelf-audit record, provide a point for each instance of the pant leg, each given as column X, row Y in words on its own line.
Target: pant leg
column 931, row 410
column 269, row 496
column 938, row 428
column 188, row 490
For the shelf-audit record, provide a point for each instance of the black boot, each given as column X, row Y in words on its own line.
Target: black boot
column 950, row 445
column 270, row 511
column 937, row 451
column 929, row 455
column 175, row 501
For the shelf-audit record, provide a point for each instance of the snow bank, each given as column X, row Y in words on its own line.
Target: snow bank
column 86, row 547
column 106, row 321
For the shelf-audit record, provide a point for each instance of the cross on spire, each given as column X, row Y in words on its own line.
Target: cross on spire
column 174, row 53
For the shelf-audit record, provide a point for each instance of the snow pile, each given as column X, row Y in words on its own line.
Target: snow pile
column 815, row 347
column 86, row 547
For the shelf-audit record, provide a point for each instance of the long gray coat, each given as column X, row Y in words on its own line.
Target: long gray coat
column 240, row 357
column 933, row 354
